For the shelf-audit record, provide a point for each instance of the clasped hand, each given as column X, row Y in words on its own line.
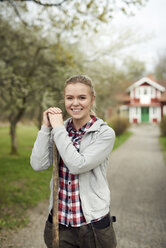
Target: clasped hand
column 52, row 117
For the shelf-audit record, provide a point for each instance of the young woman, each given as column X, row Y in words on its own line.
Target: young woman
column 84, row 143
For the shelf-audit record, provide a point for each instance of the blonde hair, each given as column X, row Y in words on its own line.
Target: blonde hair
column 83, row 79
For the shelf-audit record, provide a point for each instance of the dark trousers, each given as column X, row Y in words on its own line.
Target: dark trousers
column 87, row 236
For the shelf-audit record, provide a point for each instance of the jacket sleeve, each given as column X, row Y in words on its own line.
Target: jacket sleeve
column 92, row 156
column 41, row 157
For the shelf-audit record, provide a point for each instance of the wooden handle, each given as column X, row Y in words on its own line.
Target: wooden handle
column 55, row 229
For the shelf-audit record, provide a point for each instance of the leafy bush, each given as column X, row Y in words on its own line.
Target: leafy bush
column 163, row 126
column 119, row 124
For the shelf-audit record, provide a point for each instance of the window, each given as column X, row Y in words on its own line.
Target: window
column 158, row 94
column 152, row 92
column 154, row 111
column 145, row 91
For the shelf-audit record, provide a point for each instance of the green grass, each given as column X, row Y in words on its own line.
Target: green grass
column 163, row 145
column 20, row 186
column 121, row 139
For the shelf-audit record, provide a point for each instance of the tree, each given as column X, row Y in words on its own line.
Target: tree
column 27, row 74
column 160, row 68
column 30, row 63
column 135, row 69
column 110, row 66
column 64, row 17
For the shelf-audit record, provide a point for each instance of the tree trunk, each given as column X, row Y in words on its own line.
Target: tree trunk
column 13, row 136
column 14, row 119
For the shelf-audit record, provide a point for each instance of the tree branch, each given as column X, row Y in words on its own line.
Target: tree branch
column 33, row 67
column 13, row 3
column 45, row 4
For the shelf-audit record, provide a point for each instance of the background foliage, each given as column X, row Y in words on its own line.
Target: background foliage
column 43, row 43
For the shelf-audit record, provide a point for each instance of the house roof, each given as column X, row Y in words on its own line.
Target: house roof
column 163, row 97
column 123, row 97
column 146, row 80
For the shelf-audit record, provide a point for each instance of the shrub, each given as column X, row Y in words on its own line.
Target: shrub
column 119, row 124
column 163, row 126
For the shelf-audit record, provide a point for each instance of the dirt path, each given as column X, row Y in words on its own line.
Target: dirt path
column 30, row 236
column 137, row 178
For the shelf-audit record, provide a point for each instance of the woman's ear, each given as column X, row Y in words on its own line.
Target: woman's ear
column 93, row 99
column 93, row 106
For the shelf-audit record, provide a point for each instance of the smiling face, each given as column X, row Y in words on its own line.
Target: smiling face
column 78, row 102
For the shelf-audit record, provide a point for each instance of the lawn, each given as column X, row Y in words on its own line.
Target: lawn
column 163, row 145
column 121, row 139
column 20, row 186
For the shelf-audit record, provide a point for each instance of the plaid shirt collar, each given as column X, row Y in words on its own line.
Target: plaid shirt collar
column 83, row 129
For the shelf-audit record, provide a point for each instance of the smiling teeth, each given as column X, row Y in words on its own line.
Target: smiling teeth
column 76, row 110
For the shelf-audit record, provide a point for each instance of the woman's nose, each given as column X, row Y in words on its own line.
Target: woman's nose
column 75, row 102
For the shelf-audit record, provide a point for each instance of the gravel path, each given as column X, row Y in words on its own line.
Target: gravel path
column 137, row 178
column 32, row 235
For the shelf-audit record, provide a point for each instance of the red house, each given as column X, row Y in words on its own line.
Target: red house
column 144, row 101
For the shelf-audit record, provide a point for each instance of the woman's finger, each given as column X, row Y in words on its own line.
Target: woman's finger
column 58, row 110
column 54, row 110
column 50, row 110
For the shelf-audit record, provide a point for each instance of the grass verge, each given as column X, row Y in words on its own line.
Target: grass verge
column 163, row 145
column 121, row 139
column 20, row 186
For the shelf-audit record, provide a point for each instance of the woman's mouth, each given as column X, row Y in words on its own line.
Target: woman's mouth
column 76, row 110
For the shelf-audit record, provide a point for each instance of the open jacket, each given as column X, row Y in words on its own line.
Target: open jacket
column 89, row 163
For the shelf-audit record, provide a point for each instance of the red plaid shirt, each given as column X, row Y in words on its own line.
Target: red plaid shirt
column 70, row 210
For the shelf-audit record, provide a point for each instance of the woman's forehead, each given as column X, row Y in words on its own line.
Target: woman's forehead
column 77, row 88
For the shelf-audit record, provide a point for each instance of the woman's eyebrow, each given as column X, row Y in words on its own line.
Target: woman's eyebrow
column 78, row 95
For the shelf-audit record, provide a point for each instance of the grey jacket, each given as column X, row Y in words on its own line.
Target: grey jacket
column 90, row 163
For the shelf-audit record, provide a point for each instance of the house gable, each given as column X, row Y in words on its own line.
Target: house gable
column 148, row 82
column 144, row 101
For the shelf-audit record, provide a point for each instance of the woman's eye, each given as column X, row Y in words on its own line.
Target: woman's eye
column 82, row 97
column 69, row 98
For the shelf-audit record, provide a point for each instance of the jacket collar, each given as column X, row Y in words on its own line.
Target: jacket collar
column 95, row 127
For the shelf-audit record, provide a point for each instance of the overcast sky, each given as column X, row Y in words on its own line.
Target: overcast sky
column 150, row 20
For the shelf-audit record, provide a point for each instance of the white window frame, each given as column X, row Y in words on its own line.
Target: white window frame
column 137, row 92
column 158, row 94
column 153, row 92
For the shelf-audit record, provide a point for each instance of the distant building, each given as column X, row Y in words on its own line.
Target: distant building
column 144, row 101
